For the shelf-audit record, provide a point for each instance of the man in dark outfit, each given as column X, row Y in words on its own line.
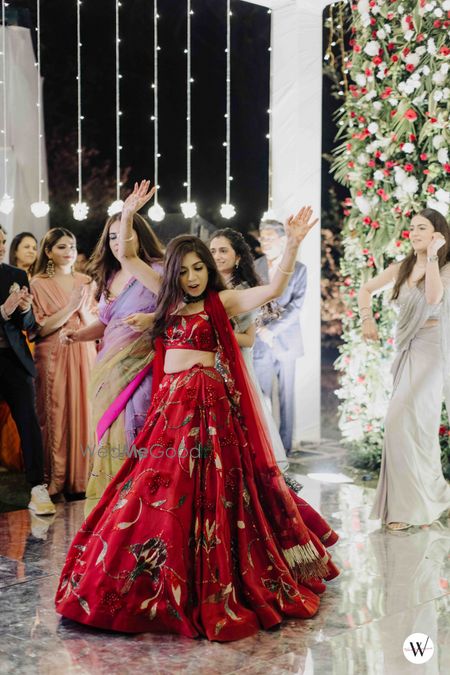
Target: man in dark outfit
column 17, row 371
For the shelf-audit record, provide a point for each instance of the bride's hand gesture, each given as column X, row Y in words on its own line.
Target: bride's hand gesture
column 142, row 193
column 298, row 226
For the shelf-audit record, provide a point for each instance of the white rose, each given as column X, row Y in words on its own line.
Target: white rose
column 378, row 175
column 393, row 102
column 421, row 50
column 400, row 9
column 360, row 79
column 387, row 29
column 362, row 158
column 445, row 68
column 443, row 156
column 412, row 58
column 438, row 140
column 377, row 105
column 372, row 128
column 446, row 5
column 443, row 196
column 409, row 35
column 372, row 48
column 438, row 95
column 446, row 93
column 410, row 185
column 399, row 175
column 381, row 34
column 439, row 78
column 438, row 12
column 426, row 70
column 370, row 95
column 363, row 205
column 442, row 207
column 383, row 157
column 381, row 74
column 363, row 6
column 431, row 46
column 408, row 147
column 398, row 193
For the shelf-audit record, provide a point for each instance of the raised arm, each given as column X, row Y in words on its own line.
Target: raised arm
column 385, row 278
column 127, row 247
column 239, row 302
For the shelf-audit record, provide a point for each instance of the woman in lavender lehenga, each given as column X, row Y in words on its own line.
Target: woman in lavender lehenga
column 120, row 386
column 412, row 489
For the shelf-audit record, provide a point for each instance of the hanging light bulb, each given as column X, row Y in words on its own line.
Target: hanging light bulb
column 39, row 209
column 156, row 213
column 227, row 211
column 6, row 204
column 189, row 209
column 115, row 207
column 80, row 210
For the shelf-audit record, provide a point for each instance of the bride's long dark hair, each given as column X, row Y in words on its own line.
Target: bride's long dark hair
column 171, row 293
column 406, row 267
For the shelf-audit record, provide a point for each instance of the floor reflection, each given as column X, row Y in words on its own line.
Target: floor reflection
column 392, row 585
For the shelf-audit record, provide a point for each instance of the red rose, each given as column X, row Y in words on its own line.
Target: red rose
column 375, row 224
column 376, row 60
column 370, row 183
column 394, row 58
column 390, row 46
column 356, row 48
column 426, row 171
column 444, row 50
column 437, row 23
column 371, row 163
column 431, row 189
column 367, row 220
column 410, row 67
column 447, row 168
column 406, row 51
column 393, row 113
column 390, row 164
column 420, row 37
column 347, row 281
column 409, row 167
column 365, row 251
column 410, row 115
column 423, row 156
column 350, row 165
column 398, row 243
column 405, row 234
column 386, row 92
column 412, row 138
column 442, row 430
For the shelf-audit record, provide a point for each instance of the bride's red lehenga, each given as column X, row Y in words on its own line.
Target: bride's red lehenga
column 199, row 536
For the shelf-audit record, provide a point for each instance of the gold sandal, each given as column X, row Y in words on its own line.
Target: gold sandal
column 397, row 526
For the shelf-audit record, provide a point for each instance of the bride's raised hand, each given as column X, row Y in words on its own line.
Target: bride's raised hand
column 298, row 226
column 142, row 193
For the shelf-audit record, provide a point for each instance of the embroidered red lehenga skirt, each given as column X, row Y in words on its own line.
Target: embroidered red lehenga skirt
column 180, row 542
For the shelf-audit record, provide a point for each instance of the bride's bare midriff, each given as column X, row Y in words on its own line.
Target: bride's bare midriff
column 182, row 359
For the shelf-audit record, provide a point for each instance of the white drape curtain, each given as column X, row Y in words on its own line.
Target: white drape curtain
column 22, row 137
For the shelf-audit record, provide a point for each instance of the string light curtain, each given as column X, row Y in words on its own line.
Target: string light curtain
column 227, row 210
column 116, row 206
column 80, row 209
column 270, row 213
column 6, row 202
column 188, row 208
column 156, row 211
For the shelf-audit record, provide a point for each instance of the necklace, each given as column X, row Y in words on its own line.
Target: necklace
column 190, row 299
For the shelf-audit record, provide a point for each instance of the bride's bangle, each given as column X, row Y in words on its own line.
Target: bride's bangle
column 288, row 274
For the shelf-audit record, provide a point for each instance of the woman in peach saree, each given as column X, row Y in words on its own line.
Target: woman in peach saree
column 62, row 299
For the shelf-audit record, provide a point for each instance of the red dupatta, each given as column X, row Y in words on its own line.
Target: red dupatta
column 306, row 557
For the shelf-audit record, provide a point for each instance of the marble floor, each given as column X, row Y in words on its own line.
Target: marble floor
column 391, row 585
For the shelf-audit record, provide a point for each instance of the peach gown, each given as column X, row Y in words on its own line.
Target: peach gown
column 61, row 390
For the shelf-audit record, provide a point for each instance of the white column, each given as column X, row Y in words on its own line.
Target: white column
column 296, row 105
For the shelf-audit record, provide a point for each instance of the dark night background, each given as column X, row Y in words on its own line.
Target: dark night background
column 250, row 101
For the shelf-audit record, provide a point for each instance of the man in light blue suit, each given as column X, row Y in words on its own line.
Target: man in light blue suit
column 279, row 342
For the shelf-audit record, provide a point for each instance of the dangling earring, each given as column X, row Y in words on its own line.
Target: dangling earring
column 50, row 269
column 236, row 265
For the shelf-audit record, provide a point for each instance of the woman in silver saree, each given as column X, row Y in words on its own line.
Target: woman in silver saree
column 411, row 488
